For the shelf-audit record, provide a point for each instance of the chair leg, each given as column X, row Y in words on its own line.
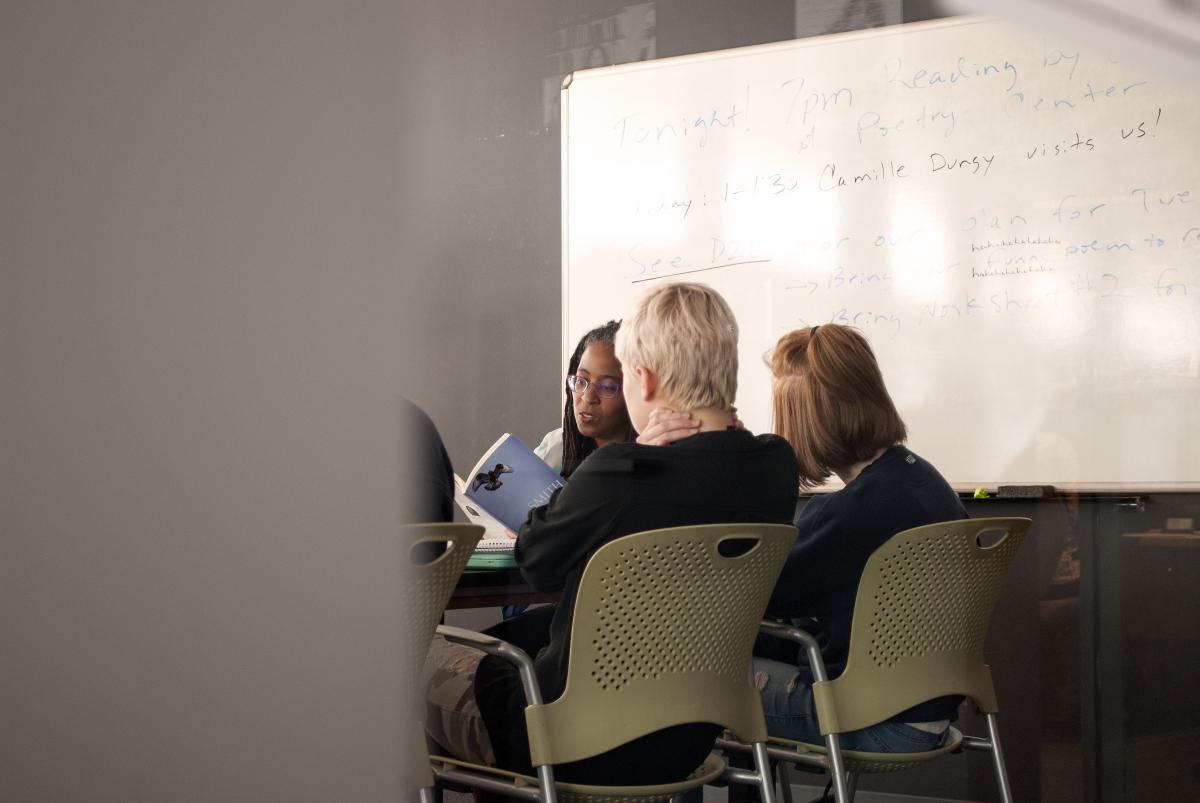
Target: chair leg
column 763, row 764
column 998, row 759
column 837, row 769
column 425, row 794
column 546, row 784
column 852, row 786
column 784, row 771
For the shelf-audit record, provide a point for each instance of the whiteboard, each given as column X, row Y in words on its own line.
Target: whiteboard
column 1014, row 224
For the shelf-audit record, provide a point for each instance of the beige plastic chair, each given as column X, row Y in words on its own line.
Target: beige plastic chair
column 920, row 619
column 664, row 624
column 428, row 580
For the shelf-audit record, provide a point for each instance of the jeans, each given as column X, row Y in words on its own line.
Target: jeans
column 509, row 611
column 791, row 714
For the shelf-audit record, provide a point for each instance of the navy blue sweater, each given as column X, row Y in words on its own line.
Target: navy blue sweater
column 838, row 532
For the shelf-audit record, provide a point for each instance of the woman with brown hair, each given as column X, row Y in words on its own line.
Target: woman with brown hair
column 831, row 405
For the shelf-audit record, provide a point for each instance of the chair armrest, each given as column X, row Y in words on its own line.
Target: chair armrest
column 817, row 664
column 501, row 649
column 533, row 695
column 804, row 639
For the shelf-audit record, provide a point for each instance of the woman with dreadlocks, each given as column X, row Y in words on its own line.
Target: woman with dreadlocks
column 594, row 413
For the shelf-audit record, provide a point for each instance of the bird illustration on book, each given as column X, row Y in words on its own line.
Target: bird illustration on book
column 490, row 480
column 506, row 482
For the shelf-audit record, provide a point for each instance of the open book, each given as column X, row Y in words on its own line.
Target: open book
column 506, row 482
column 496, row 537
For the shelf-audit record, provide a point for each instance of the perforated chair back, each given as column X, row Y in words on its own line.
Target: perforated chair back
column 920, row 620
column 432, row 558
column 662, row 635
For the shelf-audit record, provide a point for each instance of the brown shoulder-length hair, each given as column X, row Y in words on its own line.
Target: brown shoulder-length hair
column 830, row 402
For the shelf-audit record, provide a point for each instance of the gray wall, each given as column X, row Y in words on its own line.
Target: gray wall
column 201, row 307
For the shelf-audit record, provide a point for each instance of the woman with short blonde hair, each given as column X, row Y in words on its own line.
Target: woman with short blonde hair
column 678, row 347
column 687, row 332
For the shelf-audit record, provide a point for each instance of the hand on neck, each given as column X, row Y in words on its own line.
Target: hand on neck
column 712, row 419
column 645, row 391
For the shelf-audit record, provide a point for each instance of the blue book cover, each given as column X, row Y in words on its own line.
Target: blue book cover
column 496, row 537
column 509, row 480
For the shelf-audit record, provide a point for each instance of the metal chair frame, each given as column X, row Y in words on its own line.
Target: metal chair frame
column 621, row 581
column 958, row 671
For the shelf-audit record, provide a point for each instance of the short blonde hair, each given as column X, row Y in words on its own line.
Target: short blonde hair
column 686, row 333
column 830, row 401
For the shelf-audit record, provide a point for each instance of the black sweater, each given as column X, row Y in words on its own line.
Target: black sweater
column 838, row 532
column 622, row 488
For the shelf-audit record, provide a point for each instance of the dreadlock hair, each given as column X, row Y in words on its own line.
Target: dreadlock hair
column 575, row 445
